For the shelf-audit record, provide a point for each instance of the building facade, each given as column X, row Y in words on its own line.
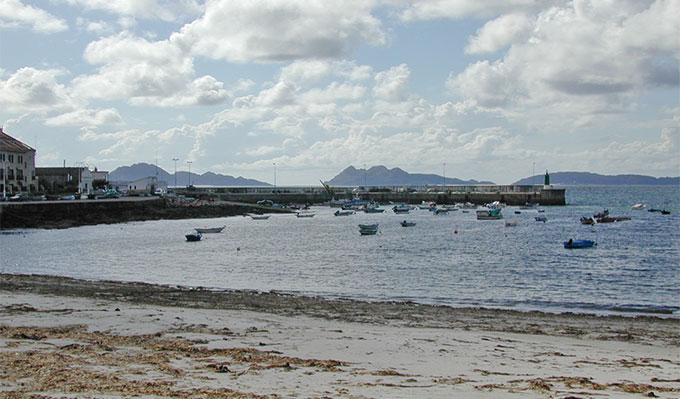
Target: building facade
column 66, row 179
column 17, row 166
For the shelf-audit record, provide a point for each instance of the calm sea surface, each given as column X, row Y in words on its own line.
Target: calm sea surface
column 452, row 259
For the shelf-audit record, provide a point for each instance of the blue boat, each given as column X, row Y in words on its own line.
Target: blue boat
column 579, row 244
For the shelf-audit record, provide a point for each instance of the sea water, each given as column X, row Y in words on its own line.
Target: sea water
column 449, row 259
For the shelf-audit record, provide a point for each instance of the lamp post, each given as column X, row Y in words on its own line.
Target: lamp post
column 444, row 174
column 175, row 159
column 189, row 162
column 364, row 176
column 274, row 163
column 533, row 174
column 4, row 178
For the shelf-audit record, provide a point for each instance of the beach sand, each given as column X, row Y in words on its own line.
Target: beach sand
column 66, row 338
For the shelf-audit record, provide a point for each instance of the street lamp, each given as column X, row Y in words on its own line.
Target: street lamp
column 274, row 163
column 175, row 159
column 444, row 174
column 364, row 176
column 189, row 162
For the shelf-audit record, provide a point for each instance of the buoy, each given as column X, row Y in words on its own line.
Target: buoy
column 455, row 232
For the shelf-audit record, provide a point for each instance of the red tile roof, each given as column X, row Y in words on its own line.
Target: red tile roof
column 9, row 143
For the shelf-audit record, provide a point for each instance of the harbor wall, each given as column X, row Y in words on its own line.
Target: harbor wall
column 64, row 214
column 511, row 195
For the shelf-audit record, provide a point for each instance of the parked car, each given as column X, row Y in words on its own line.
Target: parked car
column 20, row 197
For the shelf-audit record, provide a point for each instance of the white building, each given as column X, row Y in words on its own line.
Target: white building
column 17, row 166
column 146, row 185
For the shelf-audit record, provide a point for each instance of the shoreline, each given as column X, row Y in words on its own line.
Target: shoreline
column 628, row 328
column 69, row 338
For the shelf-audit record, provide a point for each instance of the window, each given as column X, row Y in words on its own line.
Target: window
column 20, row 158
column 20, row 174
column 10, row 174
column 10, row 158
column 2, row 157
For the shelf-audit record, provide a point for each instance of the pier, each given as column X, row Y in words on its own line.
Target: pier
column 449, row 194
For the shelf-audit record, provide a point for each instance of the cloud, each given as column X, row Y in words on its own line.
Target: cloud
column 391, row 84
column 585, row 58
column 87, row 117
column 33, row 90
column 167, row 10
column 499, row 33
column 14, row 14
column 266, row 30
column 145, row 73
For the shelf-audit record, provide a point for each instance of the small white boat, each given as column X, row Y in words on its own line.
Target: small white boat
column 639, row 206
column 401, row 209
column 305, row 215
column 204, row 230
column 259, row 217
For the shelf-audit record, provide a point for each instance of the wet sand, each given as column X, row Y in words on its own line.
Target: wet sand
column 67, row 338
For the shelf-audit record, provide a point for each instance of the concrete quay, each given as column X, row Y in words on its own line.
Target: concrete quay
column 509, row 194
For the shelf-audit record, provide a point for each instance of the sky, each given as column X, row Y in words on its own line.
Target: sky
column 298, row 90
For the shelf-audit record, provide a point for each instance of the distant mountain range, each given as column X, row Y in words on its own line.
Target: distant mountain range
column 142, row 170
column 587, row 178
column 381, row 176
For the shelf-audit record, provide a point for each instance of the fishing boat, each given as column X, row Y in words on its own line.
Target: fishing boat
column 489, row 214
column 440, row 211
column 579, row 244
column 305, row 214
column 541, row 219
column 407, row 224
column 208, row 230
column 368, row 229
column 587, row 220
column 193, row 236
column 343, row 213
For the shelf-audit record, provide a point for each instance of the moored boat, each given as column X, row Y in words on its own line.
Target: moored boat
column 343, row 213
column 639, row 206
column 587, row 220
column 407, row 224
column 368, row 229
column 259, row 217
column 579, row 243
column 401, row 209
column 193, row 236
column 204, row 230
column 305, row 214
column 489, row 214
column 541, row 219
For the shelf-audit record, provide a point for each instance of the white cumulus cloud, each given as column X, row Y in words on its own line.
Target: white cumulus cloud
column 14, row 14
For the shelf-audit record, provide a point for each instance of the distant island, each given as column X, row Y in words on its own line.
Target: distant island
column 381, row 176
column 142, row 170
column 587, row 178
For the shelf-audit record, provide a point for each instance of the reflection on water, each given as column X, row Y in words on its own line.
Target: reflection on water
column 634, row 266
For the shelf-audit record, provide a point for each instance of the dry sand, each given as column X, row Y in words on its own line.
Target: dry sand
column 65, row 338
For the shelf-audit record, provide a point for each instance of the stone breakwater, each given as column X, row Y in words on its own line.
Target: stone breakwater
column 65, row 214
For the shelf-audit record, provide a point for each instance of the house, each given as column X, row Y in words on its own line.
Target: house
column 17, row 166
column 65, row 179
column 146, row 185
